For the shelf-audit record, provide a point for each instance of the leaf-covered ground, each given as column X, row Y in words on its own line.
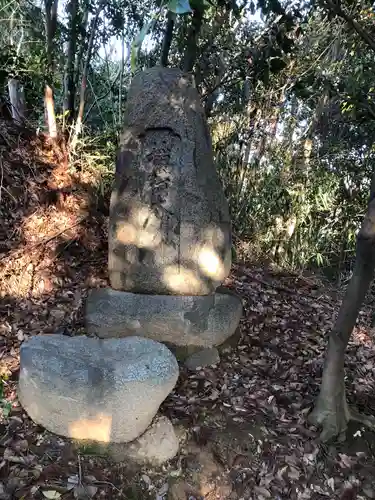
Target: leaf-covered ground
column 242, row 424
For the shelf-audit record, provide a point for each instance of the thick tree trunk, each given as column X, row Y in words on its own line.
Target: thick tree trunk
column 70, row 89
column 167, row 40
column 331, row 410
column 51, row 24
column 17, row 100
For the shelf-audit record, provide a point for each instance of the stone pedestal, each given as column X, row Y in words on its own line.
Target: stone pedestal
column 202, row 321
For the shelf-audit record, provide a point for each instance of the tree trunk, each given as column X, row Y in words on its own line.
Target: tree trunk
column 167, row 40
column 70, row 89
column 17, row 100
column 192, row 41
column 82, row 45
column 50, row 112
column 82, row 96
column 111, row 95
column 121, row 79
column 254, row 121
column 51, row 24
column 331, row 410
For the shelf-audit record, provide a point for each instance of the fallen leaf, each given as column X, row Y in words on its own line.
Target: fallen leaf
column 162, row 492
column 73, row 481
column 345, row 460
column 262, row 492
column 51, row 494
column 331, row 483
column 83, row 492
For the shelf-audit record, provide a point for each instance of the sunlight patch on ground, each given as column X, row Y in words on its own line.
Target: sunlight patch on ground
column 45, row 224
column 364, row 336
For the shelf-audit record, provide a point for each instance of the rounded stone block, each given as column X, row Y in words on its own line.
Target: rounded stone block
column 92, row 389
column 204, row 321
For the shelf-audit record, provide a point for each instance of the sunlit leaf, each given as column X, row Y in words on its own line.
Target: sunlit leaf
column 179, row 6
column 137, row 43
column 51, row 494
column 73, row 481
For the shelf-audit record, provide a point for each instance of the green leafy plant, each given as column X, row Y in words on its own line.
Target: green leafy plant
column 5, row 405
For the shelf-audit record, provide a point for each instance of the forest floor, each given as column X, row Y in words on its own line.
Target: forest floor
column 242, row 424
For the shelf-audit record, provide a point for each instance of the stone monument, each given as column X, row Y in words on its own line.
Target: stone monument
column 169, row 252
column 169, row 226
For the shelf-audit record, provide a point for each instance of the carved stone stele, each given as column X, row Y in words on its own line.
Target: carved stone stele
column 169, row 230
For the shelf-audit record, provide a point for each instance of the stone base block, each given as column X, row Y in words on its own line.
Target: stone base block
column 186, row 320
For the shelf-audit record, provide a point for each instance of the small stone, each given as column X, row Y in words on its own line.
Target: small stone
column 203, row 358
column 92, row 389
column 20, row 335
column 157, row 445
column 57, row 313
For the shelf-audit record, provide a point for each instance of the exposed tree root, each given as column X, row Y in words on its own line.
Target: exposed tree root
column 334, row 421
column 367, row 420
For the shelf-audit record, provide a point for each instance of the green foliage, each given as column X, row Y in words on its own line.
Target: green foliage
column 5, row 405
column 137, row 44
column 299, row 105
column 287, row 215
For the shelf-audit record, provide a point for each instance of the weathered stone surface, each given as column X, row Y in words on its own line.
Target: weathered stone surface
column 169, row 229
column 101, row 390
column 157, row 445
column 181, row 321
column 205, row 357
